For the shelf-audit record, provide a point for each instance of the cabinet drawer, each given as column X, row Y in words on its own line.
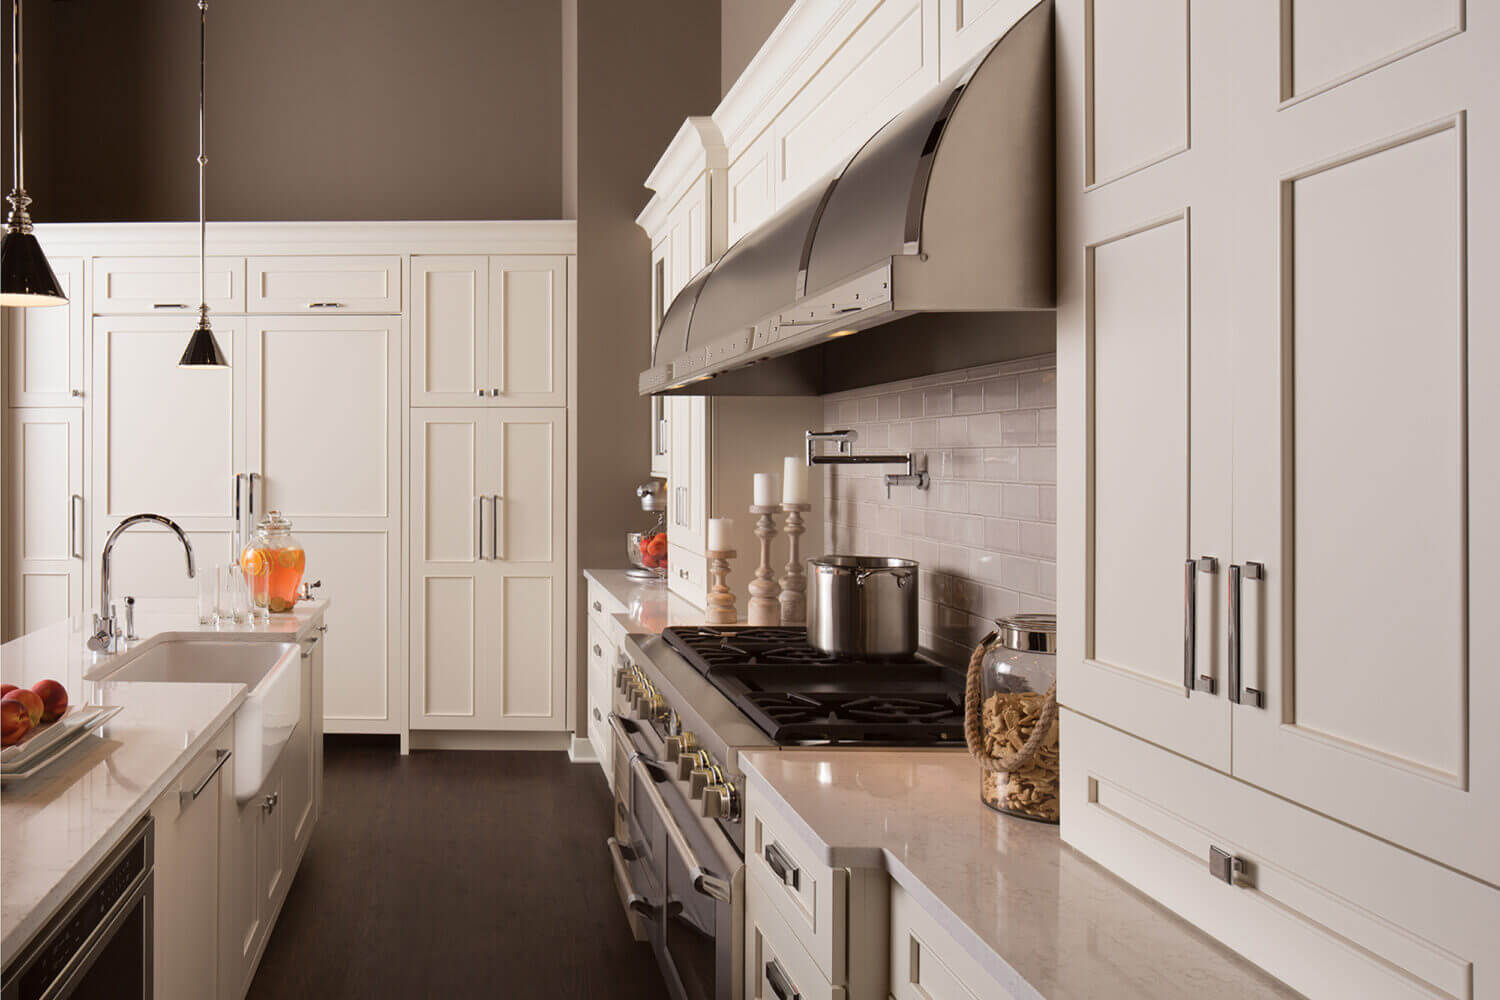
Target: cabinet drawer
column 166, row 284
column 687, row 575
column 1328, row 910
column 927, row 964
column 602, row 605
column 772, row 950
column 349, row 284
column 811, row 897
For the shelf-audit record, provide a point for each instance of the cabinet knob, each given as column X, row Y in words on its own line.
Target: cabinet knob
column 597, row 651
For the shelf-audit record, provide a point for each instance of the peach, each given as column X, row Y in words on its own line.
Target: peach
column 15, row 720
column 54, row 698
column 30, row 700
column 6, row 689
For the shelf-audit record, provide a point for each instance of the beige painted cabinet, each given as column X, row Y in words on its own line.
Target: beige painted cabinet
column 344, row 284
column 1272, row 447
column 489, row 328
column 43, row 351
column 185, row 915
column 45, row 541
column 488, row 569
column 157, row 285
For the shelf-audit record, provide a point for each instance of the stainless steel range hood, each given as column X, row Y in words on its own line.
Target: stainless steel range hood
column 949, row 208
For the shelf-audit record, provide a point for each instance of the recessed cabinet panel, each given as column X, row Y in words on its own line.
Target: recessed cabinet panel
column 1324, row 42
column 528, row 327
column 166, row 439
column 167, row 284
column 529, row 501
column 967, row 27
column 529, row 619
column 44, row 345
column 321, row 395
column 450, row 455
column 449, row 609
column 324, row 284
column 1136, row 85
column 450, row 330
column 43, row 467
column 750, row 199
column 45, row 598
column 357, row 570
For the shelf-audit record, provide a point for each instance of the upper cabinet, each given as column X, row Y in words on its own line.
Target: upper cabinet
column 43, row 351
column 489, row 330
column 124, row 285
column 346, row 284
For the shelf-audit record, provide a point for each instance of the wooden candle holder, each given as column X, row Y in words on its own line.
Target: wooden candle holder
column 764, row 608
column 720, row 598
column 794, row 581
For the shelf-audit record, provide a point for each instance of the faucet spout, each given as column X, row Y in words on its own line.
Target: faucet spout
column 109, row 545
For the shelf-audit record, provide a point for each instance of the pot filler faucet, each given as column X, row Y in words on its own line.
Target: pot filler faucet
column 106, row 630
column 845, row 441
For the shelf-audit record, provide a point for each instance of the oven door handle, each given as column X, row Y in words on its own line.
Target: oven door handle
column 704, row 882
column 633, row 900
column 617, row 726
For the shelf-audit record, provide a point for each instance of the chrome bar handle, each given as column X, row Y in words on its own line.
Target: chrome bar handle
column 709, row 885
column 75, row 520
column 169, row 305
column 1238, row 693
column 1191, row 679
column 221, row 757
column 236, row 489
column 779, row 983
column 497, row 550
column 250, row 502
column 325, row 305
column 782, row 866
column 633, row 900
column 479, row 528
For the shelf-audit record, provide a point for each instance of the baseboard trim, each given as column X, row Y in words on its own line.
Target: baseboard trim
column 458, row 740
column 581, row 751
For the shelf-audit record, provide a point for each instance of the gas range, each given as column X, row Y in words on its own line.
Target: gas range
column 798, row 695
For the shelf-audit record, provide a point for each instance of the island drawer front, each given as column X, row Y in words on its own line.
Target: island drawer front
column 1325, row 908
column 346, row 284
column 927, row 964
column 811, row 897
column 773, row 949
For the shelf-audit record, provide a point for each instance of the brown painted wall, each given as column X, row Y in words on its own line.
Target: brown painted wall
column 643, row 67
column 744, row 27
column 382, row 109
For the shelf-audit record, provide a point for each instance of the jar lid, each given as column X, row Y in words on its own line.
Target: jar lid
column 275, row 521
column 1029, row 633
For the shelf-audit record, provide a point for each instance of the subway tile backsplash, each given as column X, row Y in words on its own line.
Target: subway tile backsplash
column 985, row 532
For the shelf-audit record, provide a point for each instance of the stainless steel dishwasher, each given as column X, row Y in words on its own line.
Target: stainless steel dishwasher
column 99, row 944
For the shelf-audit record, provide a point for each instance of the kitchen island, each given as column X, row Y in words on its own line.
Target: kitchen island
column 57, row 825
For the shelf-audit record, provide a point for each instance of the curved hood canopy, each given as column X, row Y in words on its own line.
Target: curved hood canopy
column 948, row 208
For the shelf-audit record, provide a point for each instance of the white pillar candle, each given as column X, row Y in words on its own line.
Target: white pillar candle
column 793, row 480
column 765, row 489
column 718, row 533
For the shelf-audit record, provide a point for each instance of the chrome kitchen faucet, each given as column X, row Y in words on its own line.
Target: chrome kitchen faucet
column 845, row 440
column 106, row 629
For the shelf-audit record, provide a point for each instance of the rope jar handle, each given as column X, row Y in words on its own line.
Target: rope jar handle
column 975, row 738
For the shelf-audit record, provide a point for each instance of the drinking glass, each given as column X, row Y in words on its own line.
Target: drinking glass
column 208, row 597
column 234, row 596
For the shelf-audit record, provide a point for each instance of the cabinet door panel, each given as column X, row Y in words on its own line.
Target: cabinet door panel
column 528, row 330
column 44, row 507
column 450, row 339
column 167, row 284
column 44, row 346
column 185, row 914
column 749, row 187
column 532, row 487
column 358, row 571
column 324, row 284
column 530, row 652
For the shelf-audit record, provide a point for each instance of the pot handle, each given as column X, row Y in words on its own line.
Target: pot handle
column 901, row 575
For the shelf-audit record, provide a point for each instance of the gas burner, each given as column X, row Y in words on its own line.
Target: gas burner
column 795, row 654
column 788, row 708
column 878, row 708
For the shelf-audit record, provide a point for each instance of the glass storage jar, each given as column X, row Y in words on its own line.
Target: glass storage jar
column 273, row 563
column 1011, row 717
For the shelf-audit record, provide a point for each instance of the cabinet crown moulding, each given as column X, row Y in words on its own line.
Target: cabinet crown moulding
column 696, row 149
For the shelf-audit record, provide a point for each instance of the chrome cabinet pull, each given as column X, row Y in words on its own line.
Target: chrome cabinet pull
column 782, row 866
column 250, row 508
column 597, row 716
column 1239, row 694
column 236, row 488
column 169, row 305
column 221, row 757
column 633, row 900
column 269, row 802
column 497, row 551
column 481, row 393
column 1191, row 679
column 325, row 305
column 76, row 393
column 598, row 606
column 779, row 983
column 75, row 521
column 479, row 528
column 597, row 651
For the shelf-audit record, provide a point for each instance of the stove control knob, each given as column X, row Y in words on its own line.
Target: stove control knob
column 689, row 761
column 698, row 780
column 676, row 746
column 722, row 801
column 656, row 707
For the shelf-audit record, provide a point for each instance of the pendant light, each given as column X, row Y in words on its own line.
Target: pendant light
column 202, row 349
column 26, row 279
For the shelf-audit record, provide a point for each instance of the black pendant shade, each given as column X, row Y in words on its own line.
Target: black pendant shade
column 26, row 279
column 203, row 350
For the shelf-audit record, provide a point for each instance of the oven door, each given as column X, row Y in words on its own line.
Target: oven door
column 703, row 879
column 637, row 848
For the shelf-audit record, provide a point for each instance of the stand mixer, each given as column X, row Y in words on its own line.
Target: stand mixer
column 648, row 563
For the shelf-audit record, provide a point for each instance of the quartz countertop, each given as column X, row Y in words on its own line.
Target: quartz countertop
column 650, row 606
column 57, row 825
column 1040, row 917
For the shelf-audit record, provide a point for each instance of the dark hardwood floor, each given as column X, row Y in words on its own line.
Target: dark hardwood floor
column 456, row 874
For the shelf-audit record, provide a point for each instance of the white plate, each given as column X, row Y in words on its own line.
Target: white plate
column 43, row 741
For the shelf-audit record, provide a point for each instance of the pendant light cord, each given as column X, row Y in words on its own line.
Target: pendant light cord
column 202, row 161
column 18, row 169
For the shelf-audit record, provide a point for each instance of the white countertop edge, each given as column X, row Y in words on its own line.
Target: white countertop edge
column 878, row 857
column 24, row 931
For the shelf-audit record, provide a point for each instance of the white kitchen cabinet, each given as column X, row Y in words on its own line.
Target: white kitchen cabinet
column 344, row 284
column 45, row 542
column 661, row 409
column 1265, row 238
column 124, row 285
column 488, row 570
column 185, row 915
column 327, row 454
column 43, row 353
column 927, row 964
column 489, row 328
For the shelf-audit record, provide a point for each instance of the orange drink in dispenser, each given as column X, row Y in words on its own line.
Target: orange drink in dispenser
column 273, row 563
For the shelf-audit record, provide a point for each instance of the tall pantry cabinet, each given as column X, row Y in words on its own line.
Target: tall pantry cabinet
column 1272, row 364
